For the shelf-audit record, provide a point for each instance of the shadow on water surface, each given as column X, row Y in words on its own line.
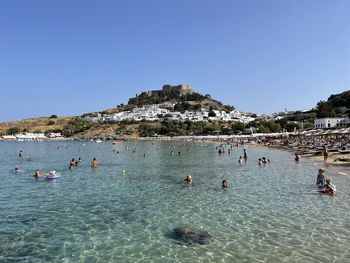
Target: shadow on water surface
column 189, row 236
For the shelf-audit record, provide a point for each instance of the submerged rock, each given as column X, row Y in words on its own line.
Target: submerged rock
column 190, row 236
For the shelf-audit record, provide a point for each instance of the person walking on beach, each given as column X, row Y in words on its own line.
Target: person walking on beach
column 94, row 163
column 325, row 153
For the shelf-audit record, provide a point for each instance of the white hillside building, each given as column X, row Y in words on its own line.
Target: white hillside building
column 331, row 123
column 155, row 112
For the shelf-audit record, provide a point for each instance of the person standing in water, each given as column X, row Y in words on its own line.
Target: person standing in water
column 72, row 164
column 297, row 157
column 94, row 163
column 245, row 154
column 325, row 153
column 320, row 181
column 20, row 154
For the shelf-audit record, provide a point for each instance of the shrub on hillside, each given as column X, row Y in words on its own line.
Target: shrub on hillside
column 74, row 126
column 13, row 130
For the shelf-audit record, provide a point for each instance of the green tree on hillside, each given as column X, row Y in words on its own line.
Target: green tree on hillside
column 13, row 130
column 74, row 126
column 324, row 110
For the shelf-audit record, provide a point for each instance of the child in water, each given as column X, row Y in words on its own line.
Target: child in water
column 320, row 181
column 329, row 188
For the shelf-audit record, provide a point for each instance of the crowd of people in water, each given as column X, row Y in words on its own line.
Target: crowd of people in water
column 325, row 184
column 52, row 174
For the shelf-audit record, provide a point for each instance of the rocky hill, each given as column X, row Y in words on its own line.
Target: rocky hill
column 180, row 97
column 175, row 98
column 42, row 124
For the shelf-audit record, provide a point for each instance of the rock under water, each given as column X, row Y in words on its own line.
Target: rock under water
column 189, row 236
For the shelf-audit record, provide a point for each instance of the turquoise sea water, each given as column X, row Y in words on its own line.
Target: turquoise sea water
column 267, row 214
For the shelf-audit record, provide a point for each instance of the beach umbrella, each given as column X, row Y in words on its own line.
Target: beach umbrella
column 336, row 131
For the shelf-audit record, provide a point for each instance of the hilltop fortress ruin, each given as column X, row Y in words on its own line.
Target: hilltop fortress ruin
column 167, row 91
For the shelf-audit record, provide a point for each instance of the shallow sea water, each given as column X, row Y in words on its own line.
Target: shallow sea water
column 268, row 214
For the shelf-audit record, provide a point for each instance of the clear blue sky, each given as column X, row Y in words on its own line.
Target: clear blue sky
column 69, row 57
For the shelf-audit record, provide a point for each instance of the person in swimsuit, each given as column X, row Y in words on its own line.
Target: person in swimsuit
column 325, row 153
column 37, row 174
column 188, row 179
column 245, row 154
column 320, row 181
column 72, row 164
column 94, row 163
column 329, row 188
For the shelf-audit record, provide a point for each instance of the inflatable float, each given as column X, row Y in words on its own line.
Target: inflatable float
column 52, row 175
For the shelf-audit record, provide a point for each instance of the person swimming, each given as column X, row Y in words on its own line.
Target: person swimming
column 37, row 174
column 72, row 164
column 188, row 179
column 19, row 170
column 224, row 184
column 52, row 173
column 94, row 163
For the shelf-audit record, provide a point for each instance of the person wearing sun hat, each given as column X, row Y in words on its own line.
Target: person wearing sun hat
column 320, row 181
